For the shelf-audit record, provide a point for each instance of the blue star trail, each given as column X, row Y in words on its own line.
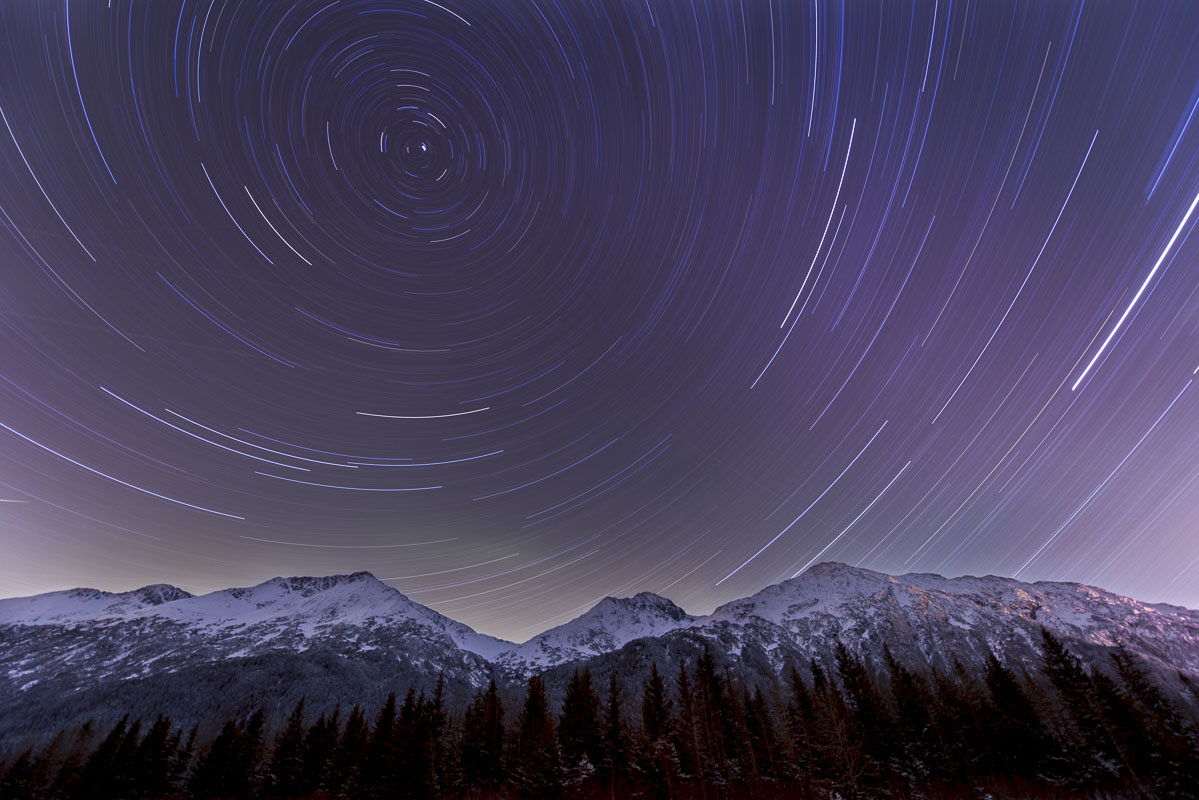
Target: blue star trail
column 531, row 302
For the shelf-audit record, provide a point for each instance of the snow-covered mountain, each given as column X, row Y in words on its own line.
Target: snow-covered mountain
column 932, row 620
column 77, row 605
column 609, row 625
column 351, row 638
column 339, row 639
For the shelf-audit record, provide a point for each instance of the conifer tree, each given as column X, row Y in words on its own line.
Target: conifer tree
column 655, row 706
column 286, row 771
column 181, row 760
column 379, row 768
column 346, row 771
column 216, row 765
column 482, row 747
column 1165, row 746
column 579, row 730
column 151, row 771
column 536, row 768
column 687, row 734
column 799, row 723
column 615, row 758
column 1023, row 747
column 763, row 745
column 1092, row 755
column 435, row 725
column 656, row 753
column 247, row 774
column 320, row 746
column 712, row 710
column 99, row 776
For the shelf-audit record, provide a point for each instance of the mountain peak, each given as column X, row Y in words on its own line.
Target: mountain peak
column 308, row 585
column 158, row 593
column 642, row 603
column 606, row 626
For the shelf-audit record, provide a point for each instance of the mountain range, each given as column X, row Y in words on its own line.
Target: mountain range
column 70, row 656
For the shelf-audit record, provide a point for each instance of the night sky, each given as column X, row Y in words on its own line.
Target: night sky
column 521, row 303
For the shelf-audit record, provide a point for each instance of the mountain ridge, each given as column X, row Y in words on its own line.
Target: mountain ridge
column 349, row 638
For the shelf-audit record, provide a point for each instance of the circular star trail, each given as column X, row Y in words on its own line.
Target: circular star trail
column 521, row 304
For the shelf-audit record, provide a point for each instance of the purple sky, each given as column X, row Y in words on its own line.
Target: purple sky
column 519, row 304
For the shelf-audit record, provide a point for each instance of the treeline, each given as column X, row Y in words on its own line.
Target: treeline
column 1066, row 731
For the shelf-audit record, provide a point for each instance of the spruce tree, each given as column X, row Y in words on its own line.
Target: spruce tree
column 320, row 746
column 615, row 758
column 659, row 761
column 482, row 746
column 100, row 775
column 1023, row 747
column 346, row 771
column 285, row 775
column 579, row 730
column 1091, row 756
column 799, row 723
column 435, row 731
column 686, row 730
column 712, row 711
column 217, row 765
column 536, row 768
column 655, row 706
column 379, row 768
column 151, row 771
column 182, row 760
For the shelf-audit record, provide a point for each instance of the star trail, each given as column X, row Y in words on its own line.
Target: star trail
column 520, row 304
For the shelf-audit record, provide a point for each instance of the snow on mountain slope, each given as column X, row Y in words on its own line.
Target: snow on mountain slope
column 312, row 606
column 924, row 619
column 309, row 605
column 608, row 625
column 87, row 636
column 77, row 605
column 934, row 619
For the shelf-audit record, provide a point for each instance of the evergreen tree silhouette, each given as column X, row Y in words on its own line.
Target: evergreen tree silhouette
column 1091, row 754
column 346, row 772
column 1164, row 745
column 435, row 725
column 320, row 747
column 285, row 775
column 379, row 768
column 687, row 739
column 482, row 748
column 246, row 776
column 537, row 771
column 615, row 757
column 216, row 766
column 579, row 733
column 799, row 722
column 101, row 773
column 764, row 747
column 659, row 762
column 1023, row 747
column 711, row 712
column 181, row 760
column 150, row 773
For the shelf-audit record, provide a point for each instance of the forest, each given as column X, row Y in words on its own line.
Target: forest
column 1068, row 730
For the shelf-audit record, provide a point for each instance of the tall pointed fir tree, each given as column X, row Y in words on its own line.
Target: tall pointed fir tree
column 285, row 773
column 659, row 762
column 616, row 751
column 537, row 770
column 579, row 729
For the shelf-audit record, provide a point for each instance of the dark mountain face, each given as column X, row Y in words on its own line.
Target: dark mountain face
column 67, row 657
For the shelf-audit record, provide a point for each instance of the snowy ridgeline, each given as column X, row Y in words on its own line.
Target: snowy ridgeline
column 921, row 618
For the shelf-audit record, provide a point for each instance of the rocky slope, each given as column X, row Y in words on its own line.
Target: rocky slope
column 67, row 656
